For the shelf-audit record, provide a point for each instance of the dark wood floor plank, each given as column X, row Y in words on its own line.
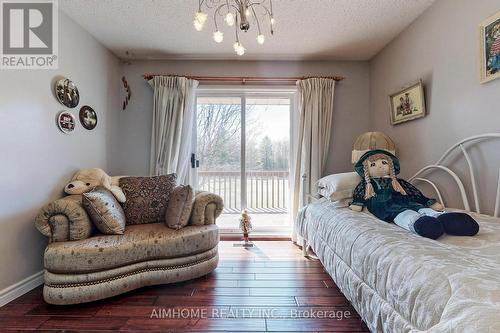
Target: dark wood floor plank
column 321, row 300
column 292, row 263
column 148, row 325
column 228, row 292
column 329, row 283
column 96, row 323
column 208, row 300
column 22, row 322
column 281, row 284
column 232, row 276
column 132, row 299
column 161, row 312
column 298, row 276
column 168, row 289
column 294, row 292
column 235, row 325
column 223, row 269
column 270, row 287
column 291, row 312
column 83, row 310
column 278, row 270
column 214, row 284
column 241, row 264
column 315, row 325
column 16, row 310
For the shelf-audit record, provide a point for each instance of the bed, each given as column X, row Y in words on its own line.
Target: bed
column 400, row 282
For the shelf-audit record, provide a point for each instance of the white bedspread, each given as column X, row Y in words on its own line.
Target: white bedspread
column 400, row 282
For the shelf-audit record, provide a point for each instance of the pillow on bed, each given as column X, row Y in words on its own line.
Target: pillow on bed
column 339, row 185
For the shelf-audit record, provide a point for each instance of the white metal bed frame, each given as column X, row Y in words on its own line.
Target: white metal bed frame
column 439, row 165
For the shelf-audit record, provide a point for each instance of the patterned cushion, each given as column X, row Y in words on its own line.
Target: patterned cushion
column 104, row 211
column 179, row 207
column 147, row 197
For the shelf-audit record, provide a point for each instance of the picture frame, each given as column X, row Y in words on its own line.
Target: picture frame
column 66, row 122
column 88, row 117
column 489, row 40
column 407, row 104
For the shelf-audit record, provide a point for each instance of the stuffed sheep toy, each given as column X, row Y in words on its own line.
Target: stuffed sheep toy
column 395, row 200
column 87, row 179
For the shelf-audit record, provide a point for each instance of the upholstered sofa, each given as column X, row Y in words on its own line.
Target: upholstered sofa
column 82, row 265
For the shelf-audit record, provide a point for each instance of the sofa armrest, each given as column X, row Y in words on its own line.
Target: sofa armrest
column 64, row 220
column 206, row 208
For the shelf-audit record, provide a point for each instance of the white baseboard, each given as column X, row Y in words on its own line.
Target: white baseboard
column 22, row 287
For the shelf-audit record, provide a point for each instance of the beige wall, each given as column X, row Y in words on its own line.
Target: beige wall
column 350, row 116
column 441, row 48
column 36, row 158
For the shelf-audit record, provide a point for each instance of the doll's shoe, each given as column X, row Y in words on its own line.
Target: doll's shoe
column 459, row 224
column 429, row 227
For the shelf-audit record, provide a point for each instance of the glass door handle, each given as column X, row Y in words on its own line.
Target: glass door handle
column 194, row 162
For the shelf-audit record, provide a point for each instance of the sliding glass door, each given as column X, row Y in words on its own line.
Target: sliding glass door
column 243, row 149
column 218, row 146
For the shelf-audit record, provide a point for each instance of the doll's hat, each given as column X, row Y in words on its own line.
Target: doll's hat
column 371, row 141
column 359, row 165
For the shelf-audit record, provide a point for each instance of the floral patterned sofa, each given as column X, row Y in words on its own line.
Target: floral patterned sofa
column 82, row 265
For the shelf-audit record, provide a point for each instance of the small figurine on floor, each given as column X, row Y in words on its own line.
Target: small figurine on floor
column 246, row 227
column 245, row 224
column 395, row 200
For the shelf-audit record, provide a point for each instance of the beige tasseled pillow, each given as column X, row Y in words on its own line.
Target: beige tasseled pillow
column 179, row 207
column 105, row 211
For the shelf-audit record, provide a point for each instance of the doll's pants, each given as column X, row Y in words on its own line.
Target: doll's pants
column 406, row 219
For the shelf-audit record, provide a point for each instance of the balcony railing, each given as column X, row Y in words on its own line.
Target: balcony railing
column 266, row 191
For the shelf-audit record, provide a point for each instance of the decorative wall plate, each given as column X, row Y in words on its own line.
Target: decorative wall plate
column 67, row 93
column 66, row 122
column 88, row 117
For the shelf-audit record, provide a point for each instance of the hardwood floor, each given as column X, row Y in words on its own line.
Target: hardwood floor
column 269, row 288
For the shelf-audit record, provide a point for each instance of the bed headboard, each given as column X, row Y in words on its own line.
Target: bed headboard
column 461, row 147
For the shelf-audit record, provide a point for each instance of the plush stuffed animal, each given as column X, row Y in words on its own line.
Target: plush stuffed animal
column 395, row 200
column 86, row 179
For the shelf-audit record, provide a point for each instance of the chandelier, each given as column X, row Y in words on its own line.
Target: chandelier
column 237, row 13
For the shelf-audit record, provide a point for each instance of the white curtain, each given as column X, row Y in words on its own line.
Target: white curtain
column 173, row 117
column 315, row 108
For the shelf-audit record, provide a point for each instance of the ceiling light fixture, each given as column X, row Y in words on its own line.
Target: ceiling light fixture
column 237, row 13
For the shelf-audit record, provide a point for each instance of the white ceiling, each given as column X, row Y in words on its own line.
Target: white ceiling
column 305, row 29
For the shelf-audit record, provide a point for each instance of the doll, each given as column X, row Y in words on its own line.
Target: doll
column 245, row 224
column 395, row 200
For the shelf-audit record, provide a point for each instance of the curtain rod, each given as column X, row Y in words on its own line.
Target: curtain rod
column 244, row 79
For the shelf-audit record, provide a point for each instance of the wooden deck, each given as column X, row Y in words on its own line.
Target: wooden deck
column 268, row 288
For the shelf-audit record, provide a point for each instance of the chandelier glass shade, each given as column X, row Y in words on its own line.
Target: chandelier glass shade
column 240, row 14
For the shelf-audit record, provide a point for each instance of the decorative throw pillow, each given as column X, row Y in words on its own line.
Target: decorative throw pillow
column 179, row 207
column 104, row 211
column 338, row 186
column 147, row 197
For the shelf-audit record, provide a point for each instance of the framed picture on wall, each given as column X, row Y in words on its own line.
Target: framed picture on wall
column 407, row 104
column 489, row 32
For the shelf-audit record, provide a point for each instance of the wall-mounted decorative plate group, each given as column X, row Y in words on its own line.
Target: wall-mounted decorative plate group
column 67, row 94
